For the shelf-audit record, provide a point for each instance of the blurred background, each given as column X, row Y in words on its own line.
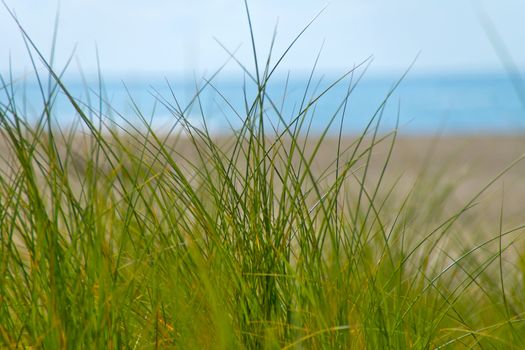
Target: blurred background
column 465, row 78
column 463, row 85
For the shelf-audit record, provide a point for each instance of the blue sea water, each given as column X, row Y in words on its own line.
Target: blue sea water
column 445, row 104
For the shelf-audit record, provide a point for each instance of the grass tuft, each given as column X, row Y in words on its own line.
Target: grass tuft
column 117, row 235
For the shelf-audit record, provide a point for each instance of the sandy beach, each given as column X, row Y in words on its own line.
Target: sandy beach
column 464, row 163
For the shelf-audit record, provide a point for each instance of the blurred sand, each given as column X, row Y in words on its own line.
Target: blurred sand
column 465, row 163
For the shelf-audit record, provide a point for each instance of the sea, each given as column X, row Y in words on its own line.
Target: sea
column 414, row 105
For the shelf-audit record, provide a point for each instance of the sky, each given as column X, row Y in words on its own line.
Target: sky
column 135, row 37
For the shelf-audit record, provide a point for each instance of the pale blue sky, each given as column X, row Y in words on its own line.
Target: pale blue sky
column 175, row 36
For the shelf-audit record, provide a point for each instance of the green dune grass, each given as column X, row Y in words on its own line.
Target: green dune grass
column 121, row 236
